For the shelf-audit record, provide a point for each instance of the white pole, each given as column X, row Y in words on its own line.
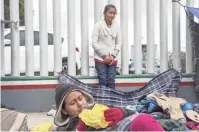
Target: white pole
column 189, row 51
column 163, row 35
column 97, row 10
column 71, row 38
column 112, row 2
column 150, row 36
column 14, row 16
column 137, row 36
column 196, row 5
column 43, row 38
column 57, row 36
column 2, row 37
column 124, row 27
column 85, row 36
column 29, row 37
column 176, row 36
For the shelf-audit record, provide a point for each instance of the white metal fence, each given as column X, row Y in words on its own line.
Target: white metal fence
column 54, row 49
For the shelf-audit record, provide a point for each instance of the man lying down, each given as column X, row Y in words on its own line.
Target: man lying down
column 74, row 104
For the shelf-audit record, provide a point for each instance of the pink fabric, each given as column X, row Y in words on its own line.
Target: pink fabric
column 81, row 126
column 145, row 122
column 192, row 125
column 113, row 115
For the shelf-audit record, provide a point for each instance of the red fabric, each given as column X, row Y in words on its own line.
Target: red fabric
column 113, row 115
column 145, row 122
column 192, row 125
column 100, row 61
column 81, row 126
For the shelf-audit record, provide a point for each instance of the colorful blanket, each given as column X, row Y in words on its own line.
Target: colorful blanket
column 166, row 83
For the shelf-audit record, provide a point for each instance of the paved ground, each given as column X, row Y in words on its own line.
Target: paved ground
column 36, row 118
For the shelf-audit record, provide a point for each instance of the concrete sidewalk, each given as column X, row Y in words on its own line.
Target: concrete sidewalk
column 36, row 118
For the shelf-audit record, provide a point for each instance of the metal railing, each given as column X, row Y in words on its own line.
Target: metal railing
column 57, row 59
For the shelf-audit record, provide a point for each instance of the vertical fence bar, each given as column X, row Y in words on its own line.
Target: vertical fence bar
column 57, row 36
column 111, row 2
column 189, row 50
column 124, row 28
column 97, row 10
column 137, row 36
column 29, row 37
column 176, row 36
column 150, row 36
column 163, row 35
column 84, row 34
column 196, row 4
column 43, row 38
column 14, row 16
column 2, row 36
column 71, row 38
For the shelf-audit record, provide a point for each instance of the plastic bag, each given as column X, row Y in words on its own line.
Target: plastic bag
column 95, row 117
column 42, row 127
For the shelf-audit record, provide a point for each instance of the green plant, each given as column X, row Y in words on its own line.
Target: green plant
column 7, row 11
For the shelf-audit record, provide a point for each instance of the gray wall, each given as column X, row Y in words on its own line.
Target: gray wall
column 36, row 100
column 41, row 100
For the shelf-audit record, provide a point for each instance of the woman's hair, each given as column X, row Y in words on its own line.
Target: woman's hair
column 107, row 7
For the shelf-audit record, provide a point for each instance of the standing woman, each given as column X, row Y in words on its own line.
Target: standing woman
column 106, row 42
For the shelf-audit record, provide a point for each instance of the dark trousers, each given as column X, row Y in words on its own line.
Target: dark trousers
column 106, row 74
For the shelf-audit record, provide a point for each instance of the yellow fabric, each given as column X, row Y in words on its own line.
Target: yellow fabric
column 173, row 105
column 95, row 117
column 42, row 127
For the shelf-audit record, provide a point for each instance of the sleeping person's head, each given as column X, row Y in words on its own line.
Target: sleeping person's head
column 74, row 103
column 70, row 101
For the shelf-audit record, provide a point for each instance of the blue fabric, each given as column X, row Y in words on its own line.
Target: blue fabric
column 196, row 107
column 194, row 11
column 106, row 74
column 135, row 107
column 187, row 106
column 152, row 105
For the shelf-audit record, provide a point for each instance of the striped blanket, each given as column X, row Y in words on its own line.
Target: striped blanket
column 166, row 83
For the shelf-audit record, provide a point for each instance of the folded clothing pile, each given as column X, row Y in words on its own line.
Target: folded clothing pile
column 169, row 110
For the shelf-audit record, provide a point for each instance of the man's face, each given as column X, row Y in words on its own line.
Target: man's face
column 75, row 102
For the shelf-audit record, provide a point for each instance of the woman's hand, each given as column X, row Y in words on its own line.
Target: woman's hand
column 107, row 59
column 112, row 59
column 113, row 115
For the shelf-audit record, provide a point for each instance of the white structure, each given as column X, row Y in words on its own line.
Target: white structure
column 43, row 35
column 29, row 37
column 163, row 35
column 138, row 36
column 85, row 38
column 145, row 58
column 176, row 36
column 2, row 37
column 189, row 51
column 124, row 27
column 150, row 36
column 71, row 37
column 72, row 21
column 57, row 36
column 14, row 16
